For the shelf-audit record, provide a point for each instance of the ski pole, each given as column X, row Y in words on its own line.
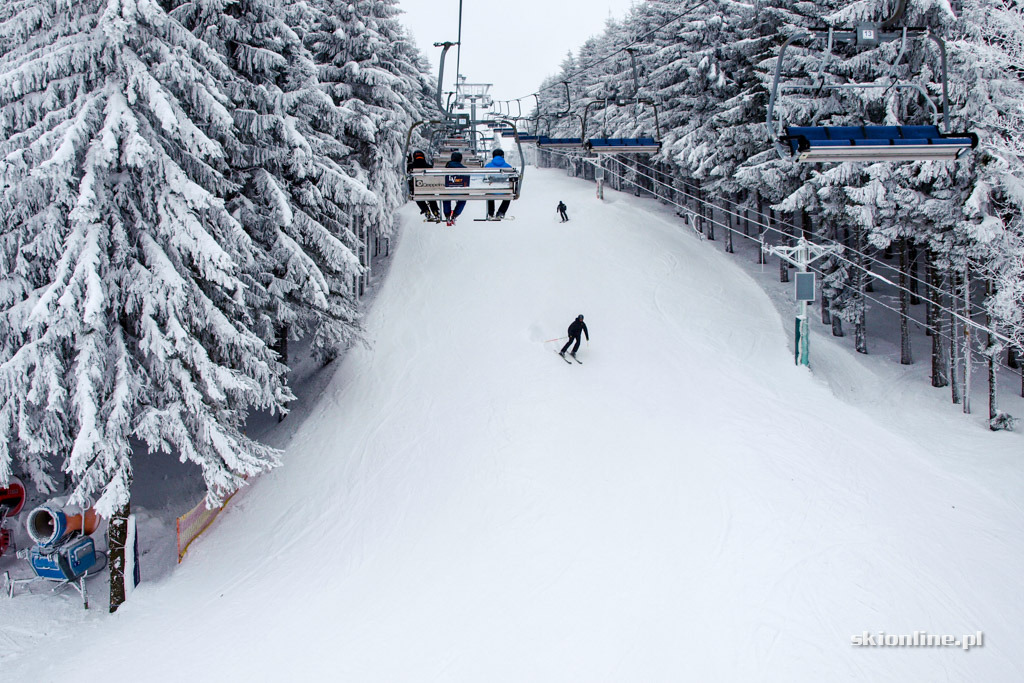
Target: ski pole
column 555, row 339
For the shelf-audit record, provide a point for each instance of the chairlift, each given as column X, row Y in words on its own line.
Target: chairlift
column 547, row 142
column 639, row 145
column 809, row 144
column 559, row 143
column 463, row 184
column 544, row 142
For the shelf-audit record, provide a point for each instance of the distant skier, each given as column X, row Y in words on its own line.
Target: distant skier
column 563, row 214
column 428, row 209
column 450, row 215
column 576, row 328
column 497, row 161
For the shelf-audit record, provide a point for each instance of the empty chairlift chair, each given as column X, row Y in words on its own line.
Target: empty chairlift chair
column 875, row 143
column 544, row 142
column 638, row 145
column 623, row 145
column 866, row 143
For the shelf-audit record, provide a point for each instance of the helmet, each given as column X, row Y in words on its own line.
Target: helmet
column 498, row 153
column 418, row 154
column 456, row 156
column 579, row 317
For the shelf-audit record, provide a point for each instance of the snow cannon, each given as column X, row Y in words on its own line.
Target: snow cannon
column 68, row 561
column 52, row 522
column 12, row 499
column 63, row 549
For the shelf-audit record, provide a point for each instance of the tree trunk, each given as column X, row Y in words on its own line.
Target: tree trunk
column 934, row 320
column 729, row 225
column 760, row 229
column 915, row 294
column 954, row 341
column 117, row 536
column 698, row 210
column 785, row 241
column 281, row 342
column 967, row 341
column 860, row 341
column 905, row 356
column 993, row 407
column 709, row 213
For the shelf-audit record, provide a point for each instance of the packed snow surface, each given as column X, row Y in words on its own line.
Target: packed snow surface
column 461, row 505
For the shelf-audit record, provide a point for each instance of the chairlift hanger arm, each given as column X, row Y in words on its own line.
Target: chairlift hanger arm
column 636, row 80
column 447, row 45
column 897, row 14
column 568, row 101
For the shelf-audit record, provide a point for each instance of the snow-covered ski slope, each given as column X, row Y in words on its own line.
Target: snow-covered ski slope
column 461, row 505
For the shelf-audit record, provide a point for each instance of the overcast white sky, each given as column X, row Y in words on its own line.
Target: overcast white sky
column 513, row 45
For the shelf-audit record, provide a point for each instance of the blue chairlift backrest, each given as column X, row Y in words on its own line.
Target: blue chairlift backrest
column 815, row 143
column 624, row 145
column 560, row 143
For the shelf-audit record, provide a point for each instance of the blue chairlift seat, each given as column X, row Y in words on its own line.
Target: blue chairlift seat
column 528, row 139
column 623, row 145
column 875, row 143
column 544, row 142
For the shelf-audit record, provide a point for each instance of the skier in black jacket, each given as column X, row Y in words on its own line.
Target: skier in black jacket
column 561, row 208
column 575, row 328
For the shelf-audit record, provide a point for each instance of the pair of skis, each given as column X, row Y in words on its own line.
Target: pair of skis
column 446, row 221
column 570, row 361
column 475, row 220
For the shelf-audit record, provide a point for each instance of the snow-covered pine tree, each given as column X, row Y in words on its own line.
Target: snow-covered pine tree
column 299, row 192
column 125, row 282
column 987, row 56
column 378, row 81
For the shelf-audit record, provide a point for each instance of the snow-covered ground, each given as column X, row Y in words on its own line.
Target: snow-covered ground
column 461, row 505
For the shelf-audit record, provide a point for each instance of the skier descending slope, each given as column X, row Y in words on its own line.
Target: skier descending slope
column 561, row 208
column 576, row 328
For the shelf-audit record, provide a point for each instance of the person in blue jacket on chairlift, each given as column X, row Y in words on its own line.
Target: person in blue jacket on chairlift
column 497, row 161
